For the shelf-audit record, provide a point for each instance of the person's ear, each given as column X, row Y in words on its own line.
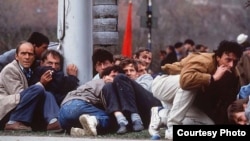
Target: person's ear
column 16, row 56
column 218, row 59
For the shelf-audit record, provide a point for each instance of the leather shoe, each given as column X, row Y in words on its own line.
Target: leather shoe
column 17, row 126
column 54, row 127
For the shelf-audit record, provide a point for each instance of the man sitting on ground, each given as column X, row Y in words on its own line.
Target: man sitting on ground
column 19, row 101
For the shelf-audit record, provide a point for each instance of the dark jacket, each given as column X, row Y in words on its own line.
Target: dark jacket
column 217, row 97
column 60, row 84
column 169, row 59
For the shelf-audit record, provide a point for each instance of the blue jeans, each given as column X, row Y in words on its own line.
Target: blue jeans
column 29, row 99
column 71, row 111
column 50, row 107
column 35, row 98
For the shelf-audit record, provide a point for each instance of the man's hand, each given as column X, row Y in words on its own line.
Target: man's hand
column 108, row 78
column 72, row 70
column 220, row 72
column 46, row 77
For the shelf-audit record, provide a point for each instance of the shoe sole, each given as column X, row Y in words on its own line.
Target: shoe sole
column 85, row 125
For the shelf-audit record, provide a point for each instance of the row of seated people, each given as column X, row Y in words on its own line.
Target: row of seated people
column 196, row 90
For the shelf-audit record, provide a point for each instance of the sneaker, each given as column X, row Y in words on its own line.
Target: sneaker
column 155, row 122
column 137, row 126
column 169, row 134
column 77, row 132
column 122, row 129
column 54, row 127
column 17, row 126
column 89, row 124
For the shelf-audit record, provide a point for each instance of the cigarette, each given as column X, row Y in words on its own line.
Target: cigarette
column 51, row 72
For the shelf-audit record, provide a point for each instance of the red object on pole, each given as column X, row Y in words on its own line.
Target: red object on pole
column 127, row 39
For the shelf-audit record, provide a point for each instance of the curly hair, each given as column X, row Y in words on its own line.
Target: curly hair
column 229, row 47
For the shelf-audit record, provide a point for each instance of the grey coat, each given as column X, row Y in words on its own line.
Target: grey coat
column 90, row 92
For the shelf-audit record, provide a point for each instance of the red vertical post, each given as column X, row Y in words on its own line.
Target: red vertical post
column 127, row 39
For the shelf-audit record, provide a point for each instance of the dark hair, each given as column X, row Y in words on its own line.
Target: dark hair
column 101, row 55
column 198, row 46
column 140, row 50
column 109, row 69
column 189, row 41
column 38, row 39
column 236, row 106
column 128, row 61
column 178, row 44
column 54, row 53
column 170, row 58
column 163, row 52
column 229, row 47
column 171, row 48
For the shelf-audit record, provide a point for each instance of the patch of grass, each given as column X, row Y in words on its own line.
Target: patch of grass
column 130, row 135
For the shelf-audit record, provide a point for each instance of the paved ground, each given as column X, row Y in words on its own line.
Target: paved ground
column 33, row 138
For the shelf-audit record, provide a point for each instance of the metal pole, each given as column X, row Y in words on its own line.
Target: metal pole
column 149, row 23
column 75, row 35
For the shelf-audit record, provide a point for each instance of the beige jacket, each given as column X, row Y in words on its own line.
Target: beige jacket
column 195, row 70
column 12, row 83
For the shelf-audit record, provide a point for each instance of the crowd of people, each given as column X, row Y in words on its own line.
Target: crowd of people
column 194, row 87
